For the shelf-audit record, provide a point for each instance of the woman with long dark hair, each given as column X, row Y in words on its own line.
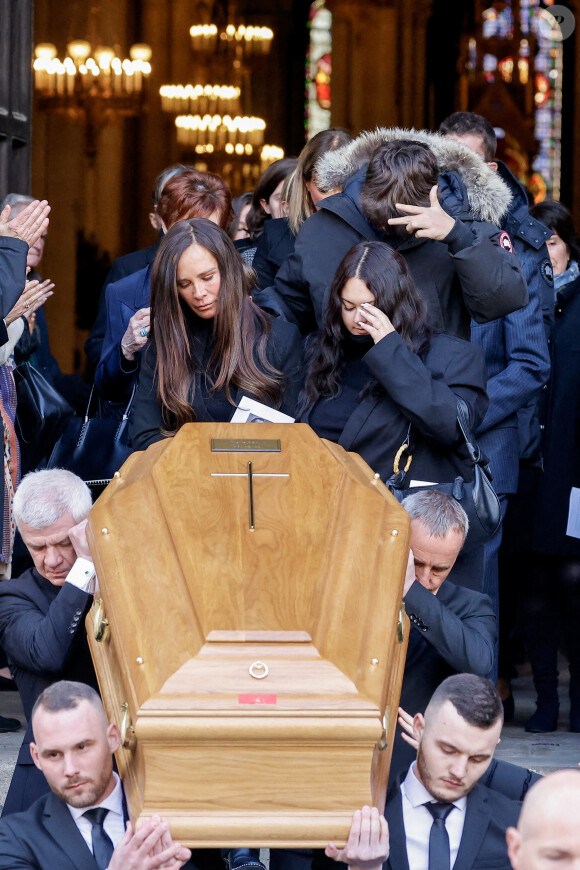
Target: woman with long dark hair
column 210, row 344
column 378, row 378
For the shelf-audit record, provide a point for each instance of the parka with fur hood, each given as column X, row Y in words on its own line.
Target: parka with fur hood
column 472, row 273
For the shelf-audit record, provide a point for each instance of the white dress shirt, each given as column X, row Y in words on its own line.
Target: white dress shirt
column 83, row 576
column 114, row 824
column 418, row 820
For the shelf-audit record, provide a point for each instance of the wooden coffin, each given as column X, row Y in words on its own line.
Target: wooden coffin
column 250, row 636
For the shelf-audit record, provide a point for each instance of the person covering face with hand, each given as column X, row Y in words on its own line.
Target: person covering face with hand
column 42, row 612
column 453, row 629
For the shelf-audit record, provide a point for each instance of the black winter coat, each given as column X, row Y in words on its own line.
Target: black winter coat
column 560, row 416
column 421, row 393
column 467, row 274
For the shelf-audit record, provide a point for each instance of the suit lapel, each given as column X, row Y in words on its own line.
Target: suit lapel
column 477, row 815
column 394, row 815
column 60, row 826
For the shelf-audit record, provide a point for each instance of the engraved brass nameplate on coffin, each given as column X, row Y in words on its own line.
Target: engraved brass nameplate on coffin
column 245, row 445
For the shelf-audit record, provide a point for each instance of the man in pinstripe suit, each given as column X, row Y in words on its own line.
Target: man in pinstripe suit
column 515, row 346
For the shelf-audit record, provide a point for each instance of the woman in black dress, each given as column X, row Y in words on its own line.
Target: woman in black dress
column 210, row 344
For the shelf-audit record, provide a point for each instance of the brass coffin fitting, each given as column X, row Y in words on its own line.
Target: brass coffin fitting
column 128, row 738
column 100, row 621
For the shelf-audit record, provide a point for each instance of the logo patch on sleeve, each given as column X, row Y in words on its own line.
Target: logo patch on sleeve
column 547, row 271
column 505, row 242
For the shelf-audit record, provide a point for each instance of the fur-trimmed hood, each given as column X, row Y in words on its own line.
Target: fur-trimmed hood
column 489, row 196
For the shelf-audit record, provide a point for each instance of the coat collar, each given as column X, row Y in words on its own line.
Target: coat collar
column 59, row 825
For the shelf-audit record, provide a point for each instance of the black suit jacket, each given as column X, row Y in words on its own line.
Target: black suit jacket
column 44, row 837
column 451, row 632
column 42, row 631
column 483, row 845
column 121, row 267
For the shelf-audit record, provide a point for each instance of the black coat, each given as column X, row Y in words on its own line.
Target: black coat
column 42, row 631
column 274, row 245
column 468, row 273
column 452, row 632
column 483, row 845
column 283, row 351
column 421, row 393
column 560, row 414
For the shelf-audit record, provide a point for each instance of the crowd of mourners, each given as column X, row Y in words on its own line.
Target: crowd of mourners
column 400, row 293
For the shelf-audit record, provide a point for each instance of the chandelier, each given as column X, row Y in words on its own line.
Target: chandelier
column 200, row 99
column 87, row 73
column 239, row 135
column 246, row 38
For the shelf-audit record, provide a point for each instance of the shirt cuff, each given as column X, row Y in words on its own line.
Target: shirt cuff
column 83, row 575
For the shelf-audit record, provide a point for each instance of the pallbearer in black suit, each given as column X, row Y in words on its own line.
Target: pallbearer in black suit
column 453, row 629
column 80, row 824
column 441, row 816
column 42, row 627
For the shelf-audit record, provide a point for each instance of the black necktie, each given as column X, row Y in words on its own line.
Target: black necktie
column 102, row 843
column 439, row 854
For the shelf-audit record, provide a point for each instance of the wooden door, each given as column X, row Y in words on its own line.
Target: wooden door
column 15, row 95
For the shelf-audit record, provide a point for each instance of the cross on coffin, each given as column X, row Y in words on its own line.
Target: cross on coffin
column 249, row 475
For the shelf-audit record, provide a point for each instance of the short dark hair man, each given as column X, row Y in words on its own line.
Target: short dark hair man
column 440, row 814
column 548, row 832
column 84, row 811
column 42, row 612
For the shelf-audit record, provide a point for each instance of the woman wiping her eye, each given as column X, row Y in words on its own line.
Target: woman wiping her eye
column 376, row 370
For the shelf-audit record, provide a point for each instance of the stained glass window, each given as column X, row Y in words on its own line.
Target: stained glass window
column 514, row 66
column 318, row 69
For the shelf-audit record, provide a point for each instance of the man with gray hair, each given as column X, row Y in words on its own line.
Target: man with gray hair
column 453, row 629
column 42, row 612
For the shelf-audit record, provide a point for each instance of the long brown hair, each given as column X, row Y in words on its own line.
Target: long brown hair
column 240, row 328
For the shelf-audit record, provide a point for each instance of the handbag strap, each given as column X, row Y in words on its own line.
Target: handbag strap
column 473, row 448
column 95, row 393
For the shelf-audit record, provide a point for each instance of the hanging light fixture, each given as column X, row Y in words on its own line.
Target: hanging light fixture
column 85, row 71
column 200, row 99
column 238, row 135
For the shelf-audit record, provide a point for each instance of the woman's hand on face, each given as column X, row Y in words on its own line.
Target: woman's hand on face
column 137, row 333
column 375, row 321
column 34, row 295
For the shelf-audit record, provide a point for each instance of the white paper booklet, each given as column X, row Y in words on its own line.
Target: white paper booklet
column 250, row 411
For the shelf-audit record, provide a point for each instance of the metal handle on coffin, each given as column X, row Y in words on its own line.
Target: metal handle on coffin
column 128, row 738
column 382, row 742
column 401, row 624
column 100, row 621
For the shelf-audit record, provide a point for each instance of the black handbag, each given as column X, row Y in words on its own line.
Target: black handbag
column 94, row 447
column 42, row 415
column 477, row 497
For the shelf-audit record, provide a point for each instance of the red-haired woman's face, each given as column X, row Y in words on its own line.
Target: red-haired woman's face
column 199, row 281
